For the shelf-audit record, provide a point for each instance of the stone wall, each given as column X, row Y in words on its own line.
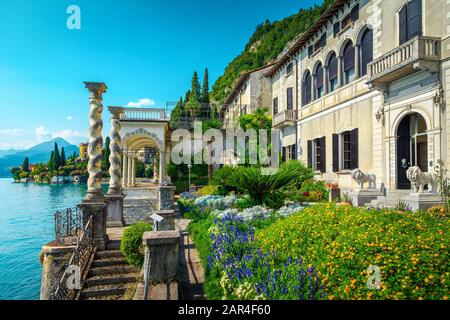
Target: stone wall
column 135, row 210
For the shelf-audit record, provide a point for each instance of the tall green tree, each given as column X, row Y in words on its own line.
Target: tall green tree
column 106, row 153
column 205, row 87
column 195, row 89
column 186, row 97
column 57, row 157
column 63, row 157
column 51, row 162
column 26, row 165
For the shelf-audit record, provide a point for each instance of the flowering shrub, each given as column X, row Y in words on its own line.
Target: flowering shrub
column 290, row 209
column 214, row 202
column 438, row 211
column 245, row 272
column 411, row 250
column 187, row 196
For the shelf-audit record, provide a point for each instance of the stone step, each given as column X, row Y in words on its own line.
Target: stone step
column 104, row 291
column 113, row 245
column 111, row 279
column 115, row 261
column 111, row 270
column 111, row 297
column 108, row 254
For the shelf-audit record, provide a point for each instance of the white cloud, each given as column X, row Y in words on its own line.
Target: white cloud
column 18, row 146
column 144, row 102
column 69, row 118
column 66, row 134
column 42, row 134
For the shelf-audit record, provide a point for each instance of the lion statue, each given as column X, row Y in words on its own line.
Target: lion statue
column 361, row 178
column 419, row 179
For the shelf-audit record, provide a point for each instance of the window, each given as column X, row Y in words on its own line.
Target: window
column 307, row 89
column 289, row 68
column 345, row 151
column 346, row 22
column 289, row 99
column 275, row 106
column 366, row 50
column 289, row 153
column 332, row 72
column 316, row 154
column 336, row 28
column 410, row 20
column 310, row 51
column 319, row 81
column 355, row 13
column 349, row 63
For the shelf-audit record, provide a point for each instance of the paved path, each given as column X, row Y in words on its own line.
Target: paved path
column 191, row 269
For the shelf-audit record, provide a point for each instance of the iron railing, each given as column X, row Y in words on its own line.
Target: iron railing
column 66, row 289
column 68, row 224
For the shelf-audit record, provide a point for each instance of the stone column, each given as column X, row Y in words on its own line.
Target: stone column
column 313, row 87
column 166, row 197
column 133, row 172
column 162, row 174
column 95, row 203
column 357, row 67
column 114, row 214
column 129, row 179
column 340, row 82
column 125, row 170
column 325, row 80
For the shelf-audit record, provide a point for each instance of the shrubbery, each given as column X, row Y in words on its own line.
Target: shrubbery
column 343, row 242
column 131, row 244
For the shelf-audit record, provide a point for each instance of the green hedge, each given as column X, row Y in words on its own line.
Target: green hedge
column 131, row 244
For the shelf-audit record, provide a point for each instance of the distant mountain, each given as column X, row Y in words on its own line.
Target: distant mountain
column 37, row 154
column 8, row 152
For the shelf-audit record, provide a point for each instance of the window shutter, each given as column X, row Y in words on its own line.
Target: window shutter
column 335, row 153
column 403, row 25
column 414, row 17
column 354, row 149
column 275, row 106
column 310, row 51
column 355, row 13
column 349, row 57
column 366, row 50
column 289, row 99
column 323, row 40
column 319, row 76
column 307, row 91
column 310, row 154
column 283, row 156
column 336, row 28
column 323, row 161
column 294, row 147
column 333, row 67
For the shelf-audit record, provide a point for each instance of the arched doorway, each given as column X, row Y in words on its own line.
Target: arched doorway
column 412, row 147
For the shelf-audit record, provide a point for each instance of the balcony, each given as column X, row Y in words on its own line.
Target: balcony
column 144, row 114
column 420, row 53
column 285, row 118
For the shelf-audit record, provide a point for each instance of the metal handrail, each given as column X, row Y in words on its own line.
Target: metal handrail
column 79, row 258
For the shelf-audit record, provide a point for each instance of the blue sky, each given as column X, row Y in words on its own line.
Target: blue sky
column 140, row 49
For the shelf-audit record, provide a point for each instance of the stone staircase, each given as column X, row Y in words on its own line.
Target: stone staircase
column 391, row 199
column 109, row 276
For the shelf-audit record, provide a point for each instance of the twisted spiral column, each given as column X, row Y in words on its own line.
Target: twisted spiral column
column 114, row 147
column 96, row 89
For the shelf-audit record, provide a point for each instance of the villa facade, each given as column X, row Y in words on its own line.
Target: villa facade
column 366, row 87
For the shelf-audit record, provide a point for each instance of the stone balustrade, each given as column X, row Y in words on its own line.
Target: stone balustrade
column 144, row 114
column 285, row 118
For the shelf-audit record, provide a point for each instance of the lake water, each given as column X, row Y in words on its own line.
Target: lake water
column 26, row 224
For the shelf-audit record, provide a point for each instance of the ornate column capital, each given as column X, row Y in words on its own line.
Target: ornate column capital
column 116, row 112
column 96, row 88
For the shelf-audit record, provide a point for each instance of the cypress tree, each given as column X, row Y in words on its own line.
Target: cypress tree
column 57, row 157
column 26, row 165
column 187, row 96
column 205, row 87
column 196, row 94
column 106, row 154
column 63, row 157
column 51, row 162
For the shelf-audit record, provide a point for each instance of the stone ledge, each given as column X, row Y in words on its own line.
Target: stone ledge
column 159, row 292
column 153, row 238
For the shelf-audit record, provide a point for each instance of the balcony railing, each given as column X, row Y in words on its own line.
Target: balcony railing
column 144, row 114
column 285, row 118
column 420, row 52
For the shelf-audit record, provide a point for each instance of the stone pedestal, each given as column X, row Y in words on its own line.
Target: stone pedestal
column 97, row 210
column 334, row 194
column 422, row 201
column 162, row 247
column 114, row 210
column 362, row 197
column 166, row 197
column 53, row 260
column 168, row 222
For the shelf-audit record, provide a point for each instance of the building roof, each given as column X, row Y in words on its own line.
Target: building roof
column 240, row 83
column 303, row 40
